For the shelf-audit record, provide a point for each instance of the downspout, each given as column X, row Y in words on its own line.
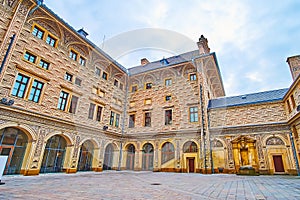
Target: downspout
column 7, row 52
column 39, row 3
column 123, row 123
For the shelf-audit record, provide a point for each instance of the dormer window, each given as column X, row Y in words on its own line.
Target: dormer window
column 148, row 86
column 73, row 55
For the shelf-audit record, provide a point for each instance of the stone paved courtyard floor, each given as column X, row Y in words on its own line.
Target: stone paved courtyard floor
column 148, row 185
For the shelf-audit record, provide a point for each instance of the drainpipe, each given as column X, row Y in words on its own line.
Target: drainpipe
column 39, row 3
column 123, row 124
column 295, row 154
column 7, row 52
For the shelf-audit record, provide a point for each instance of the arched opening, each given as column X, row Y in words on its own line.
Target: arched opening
column 130, row 157
column 86, row 156
column 54, row 154
column 13, row 143
column 190, row 147
column 148, row 154
column 108, row 157
column 167, row 152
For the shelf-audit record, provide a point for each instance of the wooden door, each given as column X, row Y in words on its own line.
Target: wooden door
column 7, row 151
column 191, row 165
column 278, row 164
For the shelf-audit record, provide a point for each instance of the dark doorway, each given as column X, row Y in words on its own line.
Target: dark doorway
column 191, row 162
column 130, row 157
column 278, row 164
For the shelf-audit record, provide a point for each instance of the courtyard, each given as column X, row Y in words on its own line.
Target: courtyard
column 148, row 185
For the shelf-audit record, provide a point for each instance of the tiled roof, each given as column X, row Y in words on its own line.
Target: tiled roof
column 261, row 97
column 162, row 63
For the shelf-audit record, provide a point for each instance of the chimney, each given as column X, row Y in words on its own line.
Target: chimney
column 203, row 45
column 144, row 61
column 294, row 63
column 82, row 32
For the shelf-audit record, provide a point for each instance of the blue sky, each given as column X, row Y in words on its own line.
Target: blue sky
column 252, row 38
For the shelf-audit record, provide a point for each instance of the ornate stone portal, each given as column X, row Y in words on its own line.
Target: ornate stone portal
column 244, row 153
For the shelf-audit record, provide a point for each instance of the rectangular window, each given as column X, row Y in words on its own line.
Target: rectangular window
column 193, row 77
column 38, row 32
column 116, row 82
column 101, row 93
column 99, row 113
column 134, row 88
column 112, row 118
column 20, row 86
column 148, row 119
column 91, row 111
column 148, row 85
column 36, row 91
column 73, row 104
column 68, row 77
column 168, row 98
column 168, row 117
column 194, row 114
column 289, row 106
column 51, row 40
column 148, row 101
column 168, row 82
column 63, row 100
column 73, row 55
column 78, row 81
column 104, row 75
column 121, row 86
column 97, row 71
column 117, row 120
column 293, row 101
column 44, row 64
column 82, row 61
column 29, row 57
column 131, row 121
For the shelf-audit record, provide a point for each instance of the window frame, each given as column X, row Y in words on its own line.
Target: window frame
column 192, row 114
column 30, row 55
column 134, row 86
column 73, row 55
column 148, row 87
column 194, row 75
column 62, row 106
column 20, row 84
column 168, row 121
column 147, row 115
column 104, row 73
column 168, row 82
column 131, row 123
column 35, row 89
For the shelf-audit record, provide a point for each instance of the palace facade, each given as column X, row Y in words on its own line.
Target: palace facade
column 67, row 106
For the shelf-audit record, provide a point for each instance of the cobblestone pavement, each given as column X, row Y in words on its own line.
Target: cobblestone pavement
column 148, row 185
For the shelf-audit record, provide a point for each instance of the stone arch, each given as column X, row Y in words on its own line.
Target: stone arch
column 32, row 135
column 66, row 136
column 217, row 143
column 274, row 141
column 283, row 139
column 129, row 143
column 145, row 142
column 148, row 78
column 49, row 24
column 165, row 141
column 93, row 141
column 168, row 73
column 191, row 140
column 188, row 68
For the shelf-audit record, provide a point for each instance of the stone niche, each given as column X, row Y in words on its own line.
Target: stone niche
column 245, row 155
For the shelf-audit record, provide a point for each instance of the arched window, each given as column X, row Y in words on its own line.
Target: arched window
column 13, row 143
column 54, row 154
column 274, row 141
column 190, row 147
column 148, row 154
column 167, row 152
column 86, row 156
column 108, row 157
column 217, row 143
column 130, row 157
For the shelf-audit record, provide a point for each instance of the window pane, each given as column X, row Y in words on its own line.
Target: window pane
column 73, row 104
column 20, row 86
column 99, row 112
column 131, row 121
column 112, row 118
column 35, row 92
column 63, row 99
column 91, row 111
